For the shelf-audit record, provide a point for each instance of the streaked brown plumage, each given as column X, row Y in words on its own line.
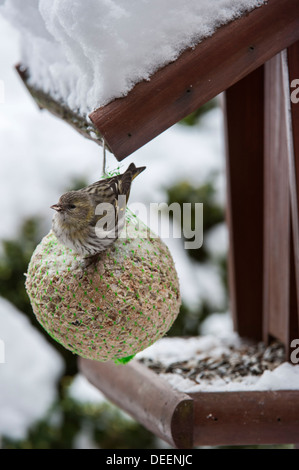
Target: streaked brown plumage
column 78, row 224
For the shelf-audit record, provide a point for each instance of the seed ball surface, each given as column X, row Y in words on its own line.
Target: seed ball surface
column 112, row 309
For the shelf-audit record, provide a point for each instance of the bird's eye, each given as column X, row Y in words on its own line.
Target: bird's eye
column 72, row 206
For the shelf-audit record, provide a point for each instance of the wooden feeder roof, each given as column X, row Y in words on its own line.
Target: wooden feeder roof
column 178, row 89
column 197, row 76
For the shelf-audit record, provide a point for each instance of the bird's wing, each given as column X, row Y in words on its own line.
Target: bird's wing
column 106, row 190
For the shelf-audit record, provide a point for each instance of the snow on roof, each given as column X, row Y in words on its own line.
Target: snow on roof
column 88, row 53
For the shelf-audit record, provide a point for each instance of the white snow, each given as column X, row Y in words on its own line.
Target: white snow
column 83, row 391
column 171, row 350
column 284, row 377
column 29, row 375
column 217, row 242
column 88, row 53
column 218, row 324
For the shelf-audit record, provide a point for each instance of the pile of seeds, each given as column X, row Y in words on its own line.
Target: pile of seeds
column 232, row 365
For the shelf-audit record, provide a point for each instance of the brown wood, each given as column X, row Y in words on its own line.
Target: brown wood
column 293, row 63
column 277, row 206
column 293, row 111
column 197, row 75
column 281, row 207
column 244, row 113
column 162, row 410
column 197, row 419
column 293, row 327
column 244, row 418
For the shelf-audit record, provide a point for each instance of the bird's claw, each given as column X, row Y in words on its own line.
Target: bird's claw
column 90, row 261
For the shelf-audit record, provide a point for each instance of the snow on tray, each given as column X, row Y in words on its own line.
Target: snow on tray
column 211, row 363
column 86, row 53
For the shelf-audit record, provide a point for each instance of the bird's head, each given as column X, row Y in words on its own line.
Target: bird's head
column 74, row 209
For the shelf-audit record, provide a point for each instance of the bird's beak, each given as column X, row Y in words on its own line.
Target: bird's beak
column 56, row 207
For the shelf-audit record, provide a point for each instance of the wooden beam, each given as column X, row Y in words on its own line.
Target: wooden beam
column 198, row 75
column 244, row 113
column 246, row 418
column 134, row 388
column 277, row 207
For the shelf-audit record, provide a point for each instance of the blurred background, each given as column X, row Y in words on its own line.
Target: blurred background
column 44, row 401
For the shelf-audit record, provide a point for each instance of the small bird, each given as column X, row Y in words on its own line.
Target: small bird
column 77, row 218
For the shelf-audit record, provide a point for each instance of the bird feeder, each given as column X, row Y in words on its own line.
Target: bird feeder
column 110, row 310
column 253, row 60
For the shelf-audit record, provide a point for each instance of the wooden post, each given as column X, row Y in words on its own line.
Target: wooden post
column 262, row 128
column 293, row 110
column 277, row 207
column 244, row 113
column 281, row 214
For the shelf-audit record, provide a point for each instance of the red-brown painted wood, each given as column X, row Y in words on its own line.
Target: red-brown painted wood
column 197, row 419
column 281, row 287
column 244, row 111
column 246, row 418
column 277, row 206
column 153, row 402
column 197, row 75
column 292, row 97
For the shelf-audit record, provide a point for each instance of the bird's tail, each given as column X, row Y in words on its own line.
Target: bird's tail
column 132, row 171
column 128, row 176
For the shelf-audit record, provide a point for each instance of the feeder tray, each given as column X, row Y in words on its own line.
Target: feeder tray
column 204, row 418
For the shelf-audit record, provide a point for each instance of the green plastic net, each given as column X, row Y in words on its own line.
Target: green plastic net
column 110, row 310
